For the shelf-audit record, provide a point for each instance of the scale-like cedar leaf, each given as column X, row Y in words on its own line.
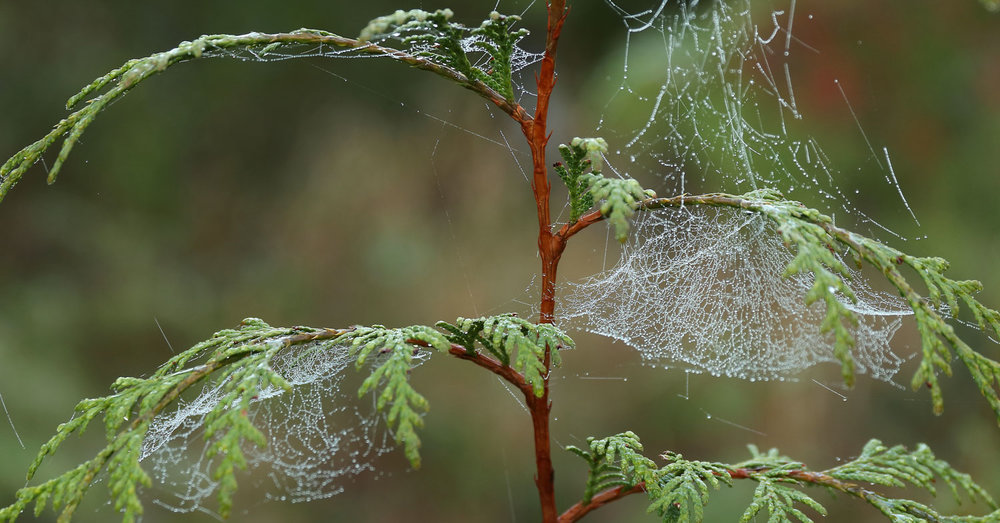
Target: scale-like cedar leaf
column 816, row 242
column 619, row 196
column 395, row 349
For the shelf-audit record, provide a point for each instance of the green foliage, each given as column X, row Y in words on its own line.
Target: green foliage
column 510, row 338
column 238, row 359
column 779, row 499
column 818, row 247
column 779, row 478
column 604, row 458
column 438, row 44
column 394, row 349
column 816, row 253
column 120, row 81
column 895, row 467
column 678, row 491
column 580, row 155
column 620, row 196
column 434, row 36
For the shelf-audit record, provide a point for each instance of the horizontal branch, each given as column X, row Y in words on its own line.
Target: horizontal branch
column 504, row 371
column 580, row 509
column 713, row 199
column 610, row 495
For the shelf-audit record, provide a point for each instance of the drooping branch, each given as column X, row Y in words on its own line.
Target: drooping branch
column 610, row 495
column 120, row 81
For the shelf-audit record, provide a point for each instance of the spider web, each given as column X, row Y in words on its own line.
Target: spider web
column 706, row 103
column 319, row 435
column 702, row 289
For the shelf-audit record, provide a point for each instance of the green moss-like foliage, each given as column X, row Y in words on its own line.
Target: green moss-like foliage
column 434, row 36
column 397, row 347
column 238, row 362
column 819, row 246
column 514, row 341
column 238, row 359
column 577, row 158
column 679, row 490
column 438, row 45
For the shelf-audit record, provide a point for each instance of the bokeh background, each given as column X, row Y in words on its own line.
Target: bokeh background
column 332, row 193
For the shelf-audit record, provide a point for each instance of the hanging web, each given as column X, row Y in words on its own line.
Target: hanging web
column 319, row 435
column 702, row 289
column 706, row 104
column 389, row 33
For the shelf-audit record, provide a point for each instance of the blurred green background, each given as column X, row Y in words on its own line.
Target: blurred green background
column 331, row 193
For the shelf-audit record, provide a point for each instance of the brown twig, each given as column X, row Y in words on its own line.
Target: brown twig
column 504, row 371
column 581, row 509
column 550, row 249
column 712, row 199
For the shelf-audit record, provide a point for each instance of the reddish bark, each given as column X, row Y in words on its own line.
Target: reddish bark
column 550, row 248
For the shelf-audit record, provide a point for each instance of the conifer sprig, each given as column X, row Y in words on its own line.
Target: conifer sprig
column 571, row 170
column 679, row 490
column 239, row 362
column 513, row 339
column 434, row 36
column 237, row 359
column 619, row 197
column 491, row 80
column 393, row 351
column 877, row 465
column 817, row 243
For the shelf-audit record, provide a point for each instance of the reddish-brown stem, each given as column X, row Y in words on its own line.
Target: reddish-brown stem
column 712, row 200
column 581, row 509
column 504, row 371
column 494, row 366
column 550, row 249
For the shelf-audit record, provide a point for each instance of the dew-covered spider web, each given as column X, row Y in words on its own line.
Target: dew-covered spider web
column 702, row 289
column 319, row 435
column 706, row 103
column 396, row 38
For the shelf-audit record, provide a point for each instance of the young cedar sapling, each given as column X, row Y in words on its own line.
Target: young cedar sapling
column 244, row 365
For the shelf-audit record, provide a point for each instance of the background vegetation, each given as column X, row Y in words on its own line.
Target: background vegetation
column 216, row 192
